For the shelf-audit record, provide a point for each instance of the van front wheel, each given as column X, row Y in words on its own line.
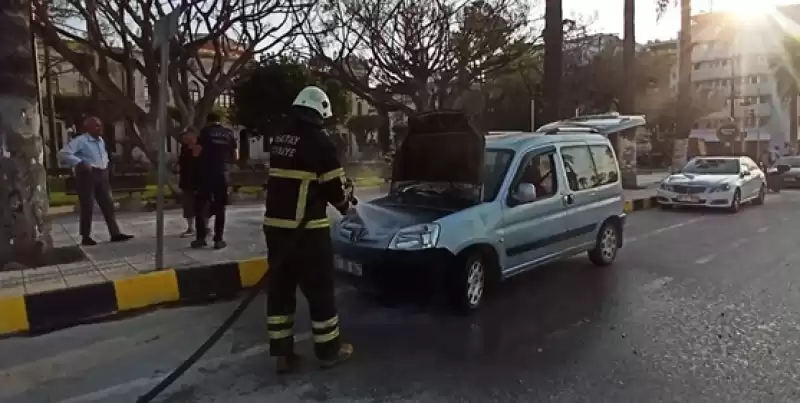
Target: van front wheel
column 606, row 246
column 469, row 283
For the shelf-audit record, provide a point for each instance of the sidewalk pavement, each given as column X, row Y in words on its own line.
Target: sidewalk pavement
column 118, row 277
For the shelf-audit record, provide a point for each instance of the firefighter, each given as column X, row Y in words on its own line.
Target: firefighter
column 304, row 177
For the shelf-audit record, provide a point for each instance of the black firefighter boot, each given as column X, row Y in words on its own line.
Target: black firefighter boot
column 345, row 352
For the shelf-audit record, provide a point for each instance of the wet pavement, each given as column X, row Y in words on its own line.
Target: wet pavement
column 699, row 307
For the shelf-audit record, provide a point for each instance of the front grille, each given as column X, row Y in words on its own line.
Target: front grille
column 688, row 189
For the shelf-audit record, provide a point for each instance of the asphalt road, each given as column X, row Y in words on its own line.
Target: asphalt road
column 699, row 307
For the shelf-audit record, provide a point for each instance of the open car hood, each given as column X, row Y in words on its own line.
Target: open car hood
column 440, row 147
column 602, row 124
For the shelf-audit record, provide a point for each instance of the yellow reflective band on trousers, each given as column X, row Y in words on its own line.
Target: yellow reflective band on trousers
column 324, row 338
column 279, row 320
column 305, row 179
column 326, row 323
column 331, row 175
column 280, row 334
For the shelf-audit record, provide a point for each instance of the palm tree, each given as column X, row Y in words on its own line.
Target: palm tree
column 684, row 106
column 553, row 48
column 628, row 101
column 24, row 233
column 786, row 68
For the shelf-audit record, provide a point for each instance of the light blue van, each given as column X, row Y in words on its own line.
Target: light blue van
column 466, row 210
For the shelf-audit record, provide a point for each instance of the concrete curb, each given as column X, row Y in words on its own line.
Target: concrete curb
column 641, row 204
column 52, row 310
column 43, row 312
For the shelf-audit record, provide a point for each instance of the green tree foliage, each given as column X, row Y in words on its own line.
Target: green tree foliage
column 264, row 95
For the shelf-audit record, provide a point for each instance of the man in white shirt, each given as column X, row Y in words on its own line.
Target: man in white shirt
column 86, row 154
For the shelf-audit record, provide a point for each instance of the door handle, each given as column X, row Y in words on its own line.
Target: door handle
column 569, row 199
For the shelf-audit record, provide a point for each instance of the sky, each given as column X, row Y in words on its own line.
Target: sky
column 609, row 15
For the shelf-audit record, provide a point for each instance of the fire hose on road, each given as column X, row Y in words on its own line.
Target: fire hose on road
column 226, row 325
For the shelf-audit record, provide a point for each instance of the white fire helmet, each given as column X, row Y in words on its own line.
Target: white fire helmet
column 316, row 99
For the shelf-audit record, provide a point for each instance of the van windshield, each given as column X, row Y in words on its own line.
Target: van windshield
column 495, row 165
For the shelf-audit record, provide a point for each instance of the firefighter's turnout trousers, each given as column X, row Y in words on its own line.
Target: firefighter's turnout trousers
column 307, row 264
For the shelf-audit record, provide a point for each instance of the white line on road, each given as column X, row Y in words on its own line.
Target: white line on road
column 661, row 230
column 149, row 382
column 705, row 259
column 763, row 229
column 737, row 243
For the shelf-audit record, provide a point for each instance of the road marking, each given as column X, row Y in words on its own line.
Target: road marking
column 763, row 229
column 705, row 259
column 149, row 382
column 737, row 243
column 663, row 229
column 27, row 376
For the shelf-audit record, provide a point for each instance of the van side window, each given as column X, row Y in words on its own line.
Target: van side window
column 605, row 165
column 540, row 171
column 579, row 167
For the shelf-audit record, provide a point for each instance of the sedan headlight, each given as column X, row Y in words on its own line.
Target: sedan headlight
column 721, row 188
column 422, row 236
column 666, row 187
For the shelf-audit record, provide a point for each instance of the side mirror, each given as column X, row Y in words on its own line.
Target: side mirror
column 782, row 169
column 744, row 173
column 525, row 193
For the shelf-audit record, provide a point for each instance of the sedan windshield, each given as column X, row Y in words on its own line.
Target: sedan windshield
column 712, row 166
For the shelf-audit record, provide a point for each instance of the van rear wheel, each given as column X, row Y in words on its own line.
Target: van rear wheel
column 606, row 245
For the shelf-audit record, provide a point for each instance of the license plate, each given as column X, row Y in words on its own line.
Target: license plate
column 347, row 266
column 687, row 198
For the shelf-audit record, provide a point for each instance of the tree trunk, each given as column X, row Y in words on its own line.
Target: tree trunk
column 626, row 142
column 244, row 147
column 24, row 233
column 793, row 121
column 684, row 112
column 553, row 47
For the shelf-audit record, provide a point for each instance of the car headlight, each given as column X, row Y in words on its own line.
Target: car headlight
column 721, row 188
column 666, row 187
column 422, row 236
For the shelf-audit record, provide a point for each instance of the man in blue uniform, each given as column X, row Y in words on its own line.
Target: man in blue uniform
column 304, row 177
column 217, row 151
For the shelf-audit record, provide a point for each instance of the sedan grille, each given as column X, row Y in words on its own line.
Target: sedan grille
column 688, row 189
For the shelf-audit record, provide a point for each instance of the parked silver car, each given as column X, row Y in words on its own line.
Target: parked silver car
column 466, row 210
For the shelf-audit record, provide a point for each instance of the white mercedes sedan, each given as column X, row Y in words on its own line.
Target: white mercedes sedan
column 716, row 182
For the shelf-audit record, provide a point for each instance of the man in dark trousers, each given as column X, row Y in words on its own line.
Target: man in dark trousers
column 86, row 154
column 304, row 177
column 217, row 150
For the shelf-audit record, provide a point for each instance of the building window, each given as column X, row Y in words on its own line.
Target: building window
column 84, row 88
column 194, row 92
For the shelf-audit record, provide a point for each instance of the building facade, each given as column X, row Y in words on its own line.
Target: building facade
column 733, row 58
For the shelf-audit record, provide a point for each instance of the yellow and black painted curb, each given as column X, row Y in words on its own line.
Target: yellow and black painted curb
column 641, row 204
column 42, row 312
column 51, row 310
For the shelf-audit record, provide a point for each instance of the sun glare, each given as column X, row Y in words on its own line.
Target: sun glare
column 747, row 9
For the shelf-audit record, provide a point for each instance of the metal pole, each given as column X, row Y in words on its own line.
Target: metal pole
column 162, row 138
column 758, row 124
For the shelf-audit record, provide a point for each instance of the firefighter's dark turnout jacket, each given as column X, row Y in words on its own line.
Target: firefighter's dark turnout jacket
column 304, row 176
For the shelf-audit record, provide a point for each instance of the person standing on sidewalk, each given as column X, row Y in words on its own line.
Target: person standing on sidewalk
column 187, row 177
column 304, row 177
column 86, row 154
column 217, row 150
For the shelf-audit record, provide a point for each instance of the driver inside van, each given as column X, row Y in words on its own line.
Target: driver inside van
column 542, row 182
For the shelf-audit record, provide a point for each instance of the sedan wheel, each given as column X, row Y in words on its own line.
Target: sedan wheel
column 762, row 195
column 736, row 203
